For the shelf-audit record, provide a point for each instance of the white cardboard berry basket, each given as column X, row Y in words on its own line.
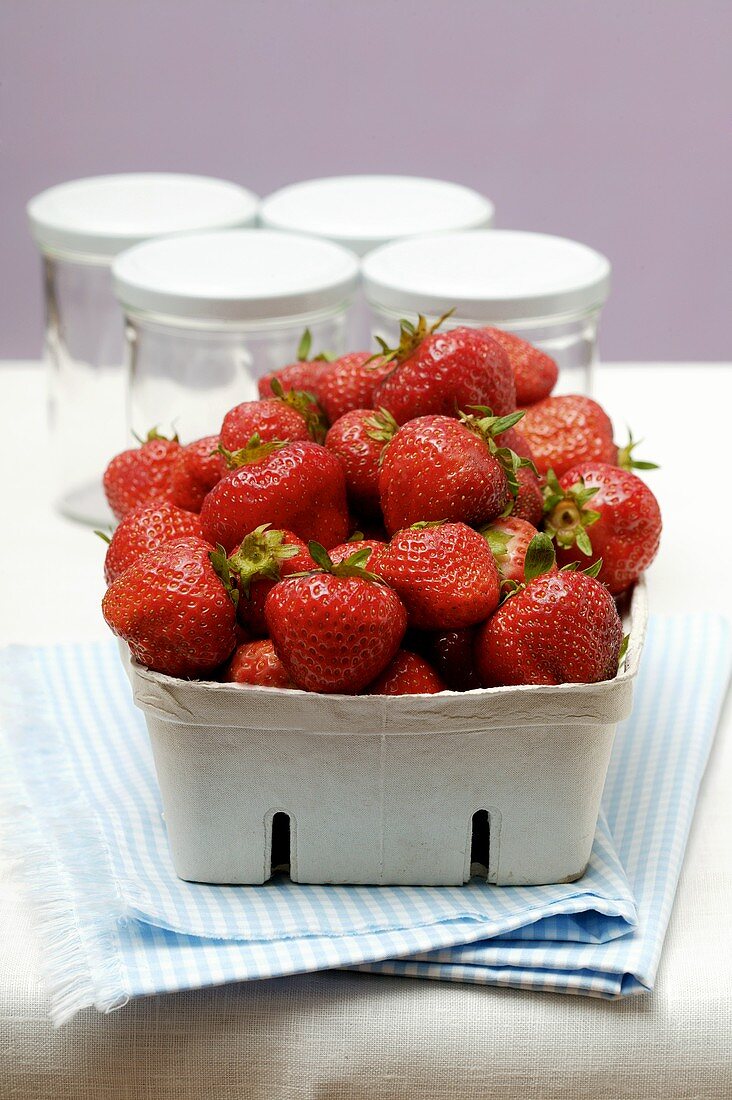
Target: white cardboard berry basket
column 385, row 789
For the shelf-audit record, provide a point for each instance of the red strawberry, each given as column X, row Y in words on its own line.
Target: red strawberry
column 358, row 438
column 407, row 674
column 298, row 487
column 257, row 663
column 509, row 539
column 336, row 630
column 305, row 374
column 451, row 653
column 264, row 557
column 534, row 372
column 505, row 443
column 345, row 549
column 197, row 468
column 528, row 503
column 563, row 431
column 560, row 628
column 141, row 475
column 286, row 416
column 350, row 382
column 436, row 468
column 145, row 529
column 602, row 511
column 441, row 373
column 173, row 610
column 443, row 573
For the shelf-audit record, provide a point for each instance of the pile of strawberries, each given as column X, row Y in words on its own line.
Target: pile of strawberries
column 424, row 519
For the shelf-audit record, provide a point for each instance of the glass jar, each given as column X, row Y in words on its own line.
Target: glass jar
column 208, row 314
column 364, row 212
column 548, row 290
column 80, row 227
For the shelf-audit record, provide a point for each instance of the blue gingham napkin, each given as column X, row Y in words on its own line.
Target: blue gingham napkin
column 83, row 817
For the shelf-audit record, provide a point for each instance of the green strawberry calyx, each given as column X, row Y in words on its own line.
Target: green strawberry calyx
column 155, row 434
column 590, row 571
column 381, row 427
column 488, row 427
column 567, row 516
column 352, row 566
column 623, row 650
column 498, row 542
column 626, row 459
column 410, row 337
column 259, row 556
column 254, row 451
column 220, row 563
column 305, row 403
column 305, row 347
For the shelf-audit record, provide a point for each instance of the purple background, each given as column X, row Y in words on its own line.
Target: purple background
column 607, row 122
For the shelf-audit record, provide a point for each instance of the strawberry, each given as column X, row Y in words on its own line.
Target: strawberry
column 508, row 445
column 350, row 382
column 436, row 468
column 197, row 468
column 264, row 557
column 174, row 611
column 443, row 573
column 509, row 539
column 438, row 373
column 562, row 431
column 337, row 629
column 602, row 511
column 257, row 663
column 287, row 416
column 298, row 487
column 305, row 374
column 141, row 475
column 358, row 438
column 559, row 628
column 528, row 504
column 407, row 674
column 345, row 549
column 145, row 529
column 451, row 653
column 534, row 372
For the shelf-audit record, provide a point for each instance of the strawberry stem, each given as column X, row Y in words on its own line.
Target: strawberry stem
column 410, row 337
column 259, row 556
column 352, row 566
column 625, row 456
column 254, row 451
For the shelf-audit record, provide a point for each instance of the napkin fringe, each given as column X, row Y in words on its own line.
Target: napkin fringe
column 61, row 864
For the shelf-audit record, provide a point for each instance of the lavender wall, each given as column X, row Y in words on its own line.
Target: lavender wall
column 604, row 121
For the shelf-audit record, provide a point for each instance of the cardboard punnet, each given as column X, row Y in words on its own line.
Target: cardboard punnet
column 385, row 789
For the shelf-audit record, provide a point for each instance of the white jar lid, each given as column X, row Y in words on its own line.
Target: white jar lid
column 235, row 275
column 103, row 215
column 363, row 212
column 494, row 277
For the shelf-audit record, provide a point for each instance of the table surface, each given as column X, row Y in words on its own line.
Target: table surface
column 339, row 1035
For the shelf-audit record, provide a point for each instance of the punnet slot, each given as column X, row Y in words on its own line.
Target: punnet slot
column 280, row 858
column 480, row 842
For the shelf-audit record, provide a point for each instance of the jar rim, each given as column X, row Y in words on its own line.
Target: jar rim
column 103, row 215
column 493, row 276
column 238, row 275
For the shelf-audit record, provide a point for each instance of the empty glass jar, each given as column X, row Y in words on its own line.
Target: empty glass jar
column 80, row 227
column 207, row 314
column 548, row 290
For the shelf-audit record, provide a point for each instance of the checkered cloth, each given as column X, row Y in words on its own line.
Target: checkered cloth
column 83, row 817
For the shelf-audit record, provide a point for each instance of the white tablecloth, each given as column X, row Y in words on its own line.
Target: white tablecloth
column 343, row 1035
